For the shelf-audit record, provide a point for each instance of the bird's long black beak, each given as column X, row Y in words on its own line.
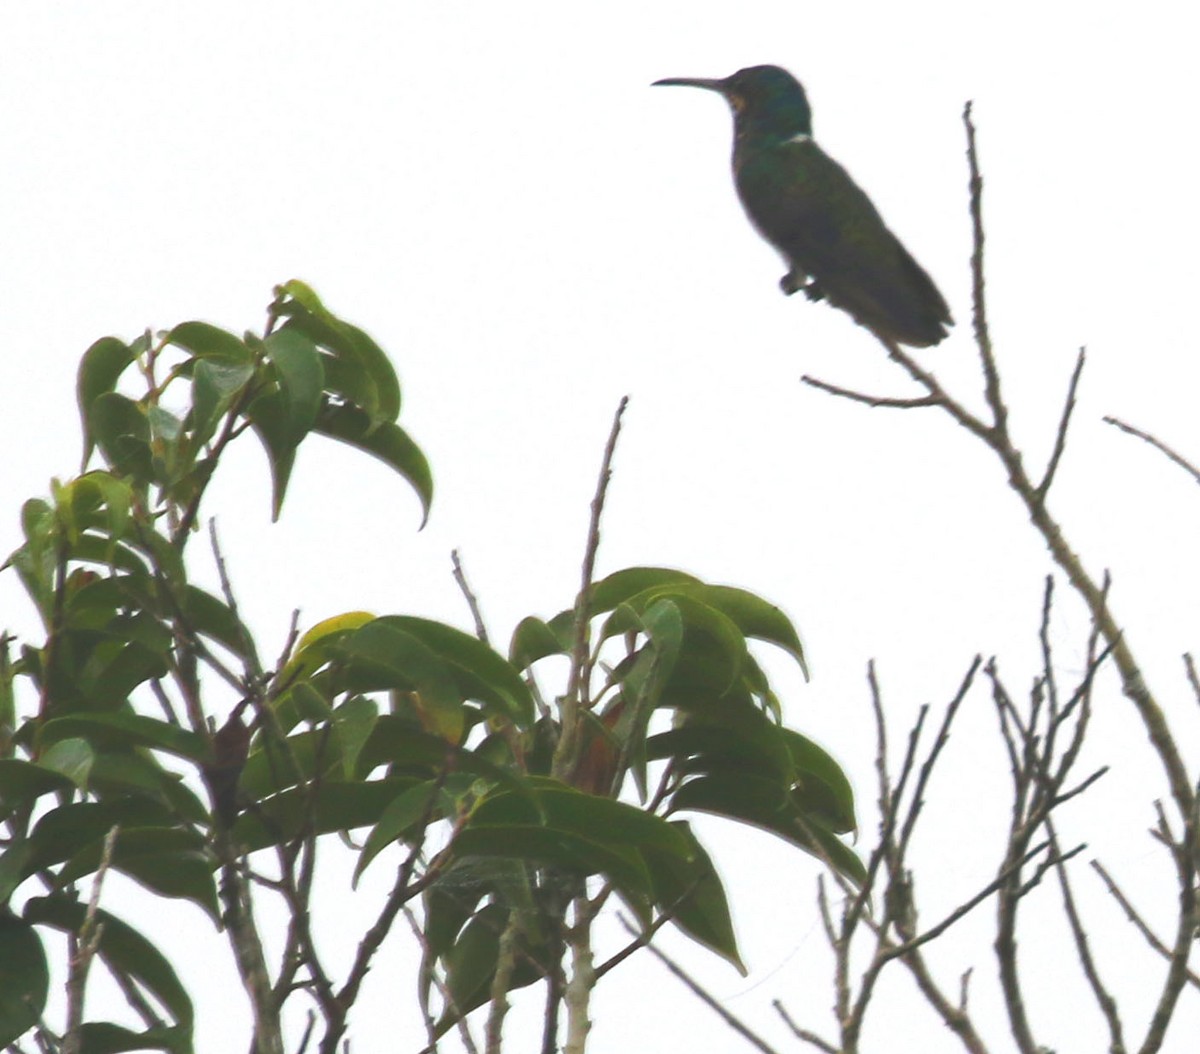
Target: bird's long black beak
column 709, row 83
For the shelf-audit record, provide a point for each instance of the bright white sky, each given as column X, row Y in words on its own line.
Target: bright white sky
column 495, row 193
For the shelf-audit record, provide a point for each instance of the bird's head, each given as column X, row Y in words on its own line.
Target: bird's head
column 766, row 101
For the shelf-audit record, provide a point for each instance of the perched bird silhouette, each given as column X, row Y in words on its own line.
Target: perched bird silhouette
column 806, row 205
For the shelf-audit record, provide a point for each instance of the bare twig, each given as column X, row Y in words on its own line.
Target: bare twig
column 1060, row 437
column 1140, row 924
column 577, row 695
column 1158, row 445
column 892, row 402
column 84, row 946
column 470, row 597
column 803, row 1034
column 735, row 1023
column 506, row 961
column 1104, row 998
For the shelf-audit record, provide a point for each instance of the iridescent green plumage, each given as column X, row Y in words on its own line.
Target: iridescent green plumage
column 806, row 205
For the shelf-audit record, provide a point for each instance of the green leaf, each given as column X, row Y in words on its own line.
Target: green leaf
column 405, row 810
column 471, row 963
column 386, row 441
column 170, row 861
column 352, row 724
column 24, row 978
column 119, row 428
column 763, row 803
column 320, row 809
column 212, row 617
column 122, row 947
column 826, row 790
column 72, row 758
column 209, row 342
column 12, row 868
column 382, row 656
column 301, row 379
column 69, row 829
column 396, row 742
column 757, row 618
column 99, row 370
column 272, row 423
column 104, row 1037
column 533, row 639
column 566, row 809
column 109, row 731
column 481, row 673
column 22, row 781
column 621, row 586
column 216, row 385
column 557, row 848
column 123, row 772
column 691, row 892
column 315, row 648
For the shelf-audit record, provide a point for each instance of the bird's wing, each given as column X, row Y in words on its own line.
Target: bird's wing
column 807, row 206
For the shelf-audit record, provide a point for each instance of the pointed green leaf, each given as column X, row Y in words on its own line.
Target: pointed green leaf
column 216, row 385
column 301, row 378
column 209, row 342
column 99, row 370
column 558, row 848
column 352, row 724
column 70, row 829
column 22, row 781
column 105, row 1037
column 272, row 423
column 122, row 947
column 24, row 978
column 533, row 639
column 480, row 672
column 762, row 803
column 405, row 810
column 124, row 729
column 334, row 805
column 71, row 757
column 213, row 618
column 566, row 809
column 690, row 891
column 381, row 656
column 623, row 585
column 119, row 428
column 825, row 788
column 388, row 442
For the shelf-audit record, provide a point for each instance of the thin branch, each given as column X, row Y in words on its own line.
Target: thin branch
column 1158, row 445
column 968, row 906
column 1104, row 998
column 506, row 961
column 1060, row 437
column 803, row 1033
column 893, row 402
column 84, row 946
column 470, row 597
column 735, row 1023
column 576, row 698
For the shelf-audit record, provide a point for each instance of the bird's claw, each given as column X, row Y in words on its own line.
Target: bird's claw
column 795, row 282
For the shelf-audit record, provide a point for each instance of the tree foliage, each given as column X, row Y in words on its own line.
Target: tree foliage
column 517, row 818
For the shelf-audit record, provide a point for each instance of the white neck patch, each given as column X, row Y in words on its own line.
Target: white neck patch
column 799, row 137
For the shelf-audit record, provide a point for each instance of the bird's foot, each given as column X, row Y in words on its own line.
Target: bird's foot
column 797, row 281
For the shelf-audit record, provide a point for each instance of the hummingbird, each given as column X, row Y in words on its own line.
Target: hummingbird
column 805, row 204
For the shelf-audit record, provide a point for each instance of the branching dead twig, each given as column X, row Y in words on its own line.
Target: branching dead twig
column 84, row 946
column 1039, row 765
